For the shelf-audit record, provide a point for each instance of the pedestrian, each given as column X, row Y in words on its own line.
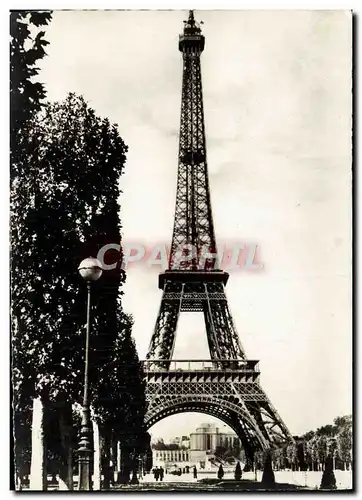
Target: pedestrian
column 155, row 473
column 161, row 472
column 195, row 472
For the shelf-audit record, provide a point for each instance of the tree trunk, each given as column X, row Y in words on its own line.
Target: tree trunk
column 18, row 485
column 114, row 457
column 123, row 477
column 118, row 466
column 105, row 459
column 97, row 458
column 65, row 429
column 249, row 464
column 38, row 472
column 134, row 479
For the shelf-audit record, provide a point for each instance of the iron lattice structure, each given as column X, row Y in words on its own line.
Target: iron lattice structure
column 227, row 386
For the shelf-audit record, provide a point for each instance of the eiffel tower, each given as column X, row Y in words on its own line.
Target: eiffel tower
column 227, row 385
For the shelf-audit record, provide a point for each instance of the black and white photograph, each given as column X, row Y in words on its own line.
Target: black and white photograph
column 181, row 250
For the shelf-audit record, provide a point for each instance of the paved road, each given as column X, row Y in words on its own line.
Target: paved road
column 310, row 480
column 186, row 482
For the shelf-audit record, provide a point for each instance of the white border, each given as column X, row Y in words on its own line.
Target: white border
column 182, row 5
column 354, row 5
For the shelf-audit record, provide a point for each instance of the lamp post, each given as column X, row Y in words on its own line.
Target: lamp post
column 90, row 270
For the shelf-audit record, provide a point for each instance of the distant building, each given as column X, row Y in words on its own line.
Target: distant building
column 170, row 454
column 198, row 449
column 170, row 458
column 208, row 437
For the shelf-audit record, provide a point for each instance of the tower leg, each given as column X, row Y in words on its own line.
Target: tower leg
column 163, row 338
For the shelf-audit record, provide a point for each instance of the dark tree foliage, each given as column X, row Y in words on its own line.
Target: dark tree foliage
column 64, row 210
column 220, row 451
column 237, row 473
column 311, row 450
column 26, row 96
column 326, row 430
column 22, row 444
column 236, row 449
column 160, row 445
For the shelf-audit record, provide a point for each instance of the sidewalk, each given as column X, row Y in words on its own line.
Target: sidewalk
column 169, row 478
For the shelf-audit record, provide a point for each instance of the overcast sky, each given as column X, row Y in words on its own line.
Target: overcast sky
column 277, row 98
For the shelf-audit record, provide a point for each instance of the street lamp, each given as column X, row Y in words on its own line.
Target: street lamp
column 90, row 270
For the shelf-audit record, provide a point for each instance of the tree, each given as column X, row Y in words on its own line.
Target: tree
column 344, row 438
column 313, row 452
column 237, row 473
column 220, row 452
column 22, row 416
column 300, row 454
column 148, row 459
column 279, row 457
column 258, row 461
column 291, row 453
column 236, row 450
column 341, row 422
column 26, row 97
column 326, row 430
column 161, row 445
column 268, row 479
column 64, row 209
column 312, row 449
column 328, row 479
column 322, row 449
column 308, row 435
column 220, row 472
